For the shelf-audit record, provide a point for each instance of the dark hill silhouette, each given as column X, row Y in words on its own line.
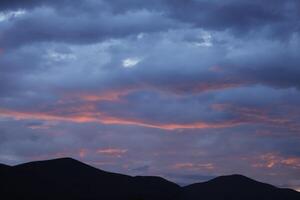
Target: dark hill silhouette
column 3, row 169
column 66, row 178
column 237, row 187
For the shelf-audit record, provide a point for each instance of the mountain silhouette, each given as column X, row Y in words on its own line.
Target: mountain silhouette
column 66, row 178
column 4, row 167
column 237, row 187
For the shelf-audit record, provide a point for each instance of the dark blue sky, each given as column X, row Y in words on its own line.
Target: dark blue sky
column 185, row 89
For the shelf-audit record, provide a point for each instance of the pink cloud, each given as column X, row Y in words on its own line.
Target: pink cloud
column 112, row 152
column 271, row 160
column 193, row 166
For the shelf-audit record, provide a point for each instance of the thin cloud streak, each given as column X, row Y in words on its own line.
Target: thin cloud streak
column 99, row 118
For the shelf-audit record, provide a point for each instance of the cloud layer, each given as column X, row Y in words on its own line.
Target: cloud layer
column 184, row 89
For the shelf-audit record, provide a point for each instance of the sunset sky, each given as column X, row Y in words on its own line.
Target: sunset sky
column 184, row 89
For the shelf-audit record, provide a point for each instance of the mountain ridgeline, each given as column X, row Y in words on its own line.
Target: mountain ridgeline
column 66, row 178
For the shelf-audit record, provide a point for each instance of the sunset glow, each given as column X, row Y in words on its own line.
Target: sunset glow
column 187, row 90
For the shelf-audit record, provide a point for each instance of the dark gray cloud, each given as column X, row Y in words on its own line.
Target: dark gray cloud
column 7, row 5
column 47, row 25
column 91, row 21
column 239, row 16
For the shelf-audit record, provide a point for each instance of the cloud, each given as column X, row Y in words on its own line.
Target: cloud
column 10, row 15
column 211, row 86
column 271, row 160
column 32, row 27
column 194, row 166
column 112, row 152
column 85, row 116
column 130, row 62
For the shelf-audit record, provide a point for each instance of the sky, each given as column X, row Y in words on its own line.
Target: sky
column 184, row 89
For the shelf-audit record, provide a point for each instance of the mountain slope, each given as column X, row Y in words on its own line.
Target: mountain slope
column 4, row 169
column 66, row 178
column 70, row 179
column 237, row 187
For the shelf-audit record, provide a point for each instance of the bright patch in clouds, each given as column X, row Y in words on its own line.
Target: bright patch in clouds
column 61, row 56
column 112, row 152
column 130, row 62
column 10, row 15
column 205, row 40
column 140, row 36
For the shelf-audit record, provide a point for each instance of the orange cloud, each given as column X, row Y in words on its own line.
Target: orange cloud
column 112, row 152
column 271, row 160
column 261, row 116
column 44, row 116
column 98, row 117
column 82, row 153
column 108, row 96
column 194, row 166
